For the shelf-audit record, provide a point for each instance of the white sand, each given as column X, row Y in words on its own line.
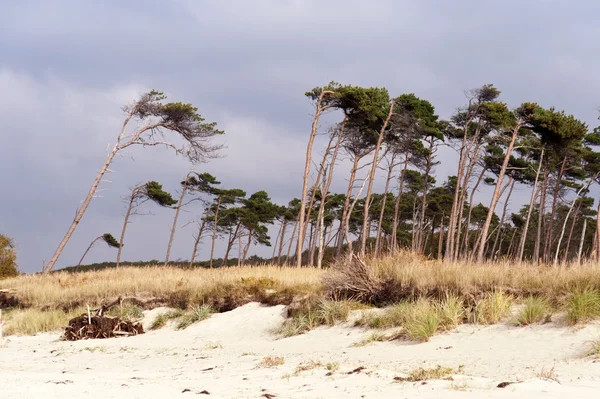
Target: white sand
column 221, row 355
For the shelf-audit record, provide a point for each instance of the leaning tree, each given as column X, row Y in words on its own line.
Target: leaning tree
column 151, row 191
column 108, row 238
column 155, row 119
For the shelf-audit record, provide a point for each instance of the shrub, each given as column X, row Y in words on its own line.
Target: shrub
column 492, row 308
column 535, row 309
column 195, row 315
column 8, row 258
column 583, row 305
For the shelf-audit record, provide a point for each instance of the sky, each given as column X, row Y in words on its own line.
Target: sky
column 68, row 66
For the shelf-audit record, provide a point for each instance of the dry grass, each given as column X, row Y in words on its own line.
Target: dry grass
column 315, row 313
column 34, row 321
column 271, row 361
column 407, row 277
column 492, row 308
column 221, row 288
column 422, row 374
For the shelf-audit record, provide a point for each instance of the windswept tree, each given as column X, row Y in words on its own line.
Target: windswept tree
column 224, row 198
column 107, row 238
column 202, row 183
column 150, row 191
column 155, row 119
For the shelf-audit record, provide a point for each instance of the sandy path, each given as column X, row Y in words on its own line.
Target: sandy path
column 221, row 356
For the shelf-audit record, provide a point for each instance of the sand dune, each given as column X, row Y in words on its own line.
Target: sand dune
column 222, row 357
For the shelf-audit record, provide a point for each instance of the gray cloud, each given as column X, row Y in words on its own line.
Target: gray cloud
column 68, row 66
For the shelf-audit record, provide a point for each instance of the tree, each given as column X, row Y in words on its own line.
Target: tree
column 224, row 198
column 156, row 118
column 107, row 238
column 8, row 258
column 150, row 191
column 198, row 182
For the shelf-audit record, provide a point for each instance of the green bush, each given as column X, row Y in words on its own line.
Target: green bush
column 8, row 258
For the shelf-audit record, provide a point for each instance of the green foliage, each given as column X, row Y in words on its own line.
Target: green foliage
column 8, row 258
column 196, row 314
column 535, row 309
column 583, row 305
column 110, row 240
column 153, row 190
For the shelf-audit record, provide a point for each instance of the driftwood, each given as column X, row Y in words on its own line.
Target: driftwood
column 97, row 326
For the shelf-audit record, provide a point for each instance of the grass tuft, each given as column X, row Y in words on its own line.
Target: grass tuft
column 582, row 306
column 494, row 307
column 126, row 311
column 422, row 374
column 33, row 321
column 535, row 310
column 271, row 361
column 196, row 314
column 162, row 319
column 422, row 321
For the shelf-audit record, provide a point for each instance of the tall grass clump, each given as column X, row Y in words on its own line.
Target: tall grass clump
column 161, row 320
column 195, row 315
column 494, row 307
column 451, row 311
column 583, row 305
column 421, row 321
column 535, row 310
column 314, row 313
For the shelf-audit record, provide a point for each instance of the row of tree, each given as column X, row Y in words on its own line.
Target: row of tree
column 528, row 147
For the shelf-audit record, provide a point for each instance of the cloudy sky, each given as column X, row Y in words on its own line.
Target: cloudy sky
column 66, row 68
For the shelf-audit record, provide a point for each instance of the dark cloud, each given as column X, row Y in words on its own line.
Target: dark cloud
column 68, row 66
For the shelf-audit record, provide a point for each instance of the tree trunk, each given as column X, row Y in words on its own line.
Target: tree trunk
column 441, row 238
column 463, row 194
column 230, row 244
column 81, row 211
column 95, row 240
column 428, row 166
column 129, row 208
column 468, row 224
column 383, row 203
column 550, row 227
column 214, row 235
column 289, row 251
column 325, row 193
column 571, row 230
column 365, row 229
column 562, row 233
column 311, row 140
column 281, row 238
column 581, row 242
column 247, row 248
column 397, row 207
column 197, row 241
column 531, row 202
column 541, row 211
column 174, row 227
column 506, row 202
column 495, row 196
column 340, row 242
column 347, row 221
column 597, row 241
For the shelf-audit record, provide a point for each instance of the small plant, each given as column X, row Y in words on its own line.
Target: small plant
column 213, row 345
column 451, row 311
column 535, row 309
column 492, row 308
column 332, row 367
column 312, row 315
column 422, row 374
column 548, row 374
column 271, row 361
column 307, row 366
column 375, row 336
column 332, row 312
column 594, row 348
column 422, row 321
column 582, row 306
column 162, row 319
column 197, row 314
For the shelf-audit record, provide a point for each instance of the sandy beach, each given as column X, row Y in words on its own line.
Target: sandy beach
column 231, row 355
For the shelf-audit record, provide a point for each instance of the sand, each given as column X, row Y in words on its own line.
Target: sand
column 222, row 358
